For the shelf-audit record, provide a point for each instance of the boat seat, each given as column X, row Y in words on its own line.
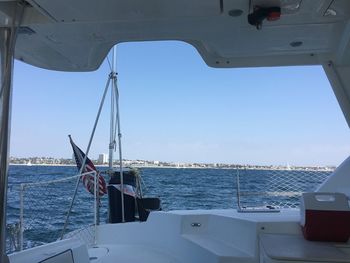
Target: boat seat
column 146, row 205
column 294, row 248
column 115, row 206
column 219, row 248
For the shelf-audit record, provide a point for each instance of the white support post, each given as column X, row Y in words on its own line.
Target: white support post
column 339, row 78
column 8, row 35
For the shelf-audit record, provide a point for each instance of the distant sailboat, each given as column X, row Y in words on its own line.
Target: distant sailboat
column 29, row 163
column 288, row 167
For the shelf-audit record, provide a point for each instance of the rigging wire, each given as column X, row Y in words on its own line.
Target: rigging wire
column 144, row 184
column 109, row 63
column 85, row 158
column 116, row 100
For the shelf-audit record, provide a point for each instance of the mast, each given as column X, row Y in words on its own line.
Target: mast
column 8, row 34
column 112, row 128
column 120, row 150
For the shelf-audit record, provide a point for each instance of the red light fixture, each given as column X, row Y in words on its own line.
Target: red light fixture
column 260, row 13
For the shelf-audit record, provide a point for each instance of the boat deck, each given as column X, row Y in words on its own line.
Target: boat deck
column 192, row 236
column 219, row 236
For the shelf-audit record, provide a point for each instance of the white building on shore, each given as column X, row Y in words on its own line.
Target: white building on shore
column 103, row 158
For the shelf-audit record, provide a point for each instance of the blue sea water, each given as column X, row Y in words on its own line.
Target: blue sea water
column 45, row 206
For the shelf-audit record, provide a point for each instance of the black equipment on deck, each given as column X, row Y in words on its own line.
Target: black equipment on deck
column 134, row 204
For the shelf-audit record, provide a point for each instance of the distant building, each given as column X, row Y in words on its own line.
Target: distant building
column 103, row 158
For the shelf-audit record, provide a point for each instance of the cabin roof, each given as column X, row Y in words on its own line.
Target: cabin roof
column 77, row 35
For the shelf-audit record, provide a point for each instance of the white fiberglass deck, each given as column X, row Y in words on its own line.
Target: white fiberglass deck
column 191, row 236
column 197, row 236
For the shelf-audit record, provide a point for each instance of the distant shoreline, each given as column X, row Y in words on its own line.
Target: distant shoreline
column 41, row 164
column 321, row 169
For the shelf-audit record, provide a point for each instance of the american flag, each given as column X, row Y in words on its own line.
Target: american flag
column 88, row 180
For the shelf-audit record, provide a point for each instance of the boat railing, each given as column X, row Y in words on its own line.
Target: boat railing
column 271, row 190
column 43, row 210
column 13, row 237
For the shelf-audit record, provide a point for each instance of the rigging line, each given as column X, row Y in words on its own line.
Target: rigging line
column 109, row 63
column 85, row 158
column 116, row 94
column 115, row 79
column 144, row 184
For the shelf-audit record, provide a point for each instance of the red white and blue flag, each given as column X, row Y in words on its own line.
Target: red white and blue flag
column 88, row 180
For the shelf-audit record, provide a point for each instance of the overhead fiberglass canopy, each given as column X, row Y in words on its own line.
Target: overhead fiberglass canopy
column 77, row 35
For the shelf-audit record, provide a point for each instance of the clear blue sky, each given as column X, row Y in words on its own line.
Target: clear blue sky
column 175, row 108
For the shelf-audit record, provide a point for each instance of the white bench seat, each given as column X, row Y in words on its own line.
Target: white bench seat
column 216, row 246
column 294, row 248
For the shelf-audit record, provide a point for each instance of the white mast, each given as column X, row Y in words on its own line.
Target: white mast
column 115, row 123
column 112, row 130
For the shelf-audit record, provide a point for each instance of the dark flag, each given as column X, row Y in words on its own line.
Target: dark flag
column 88, row 180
